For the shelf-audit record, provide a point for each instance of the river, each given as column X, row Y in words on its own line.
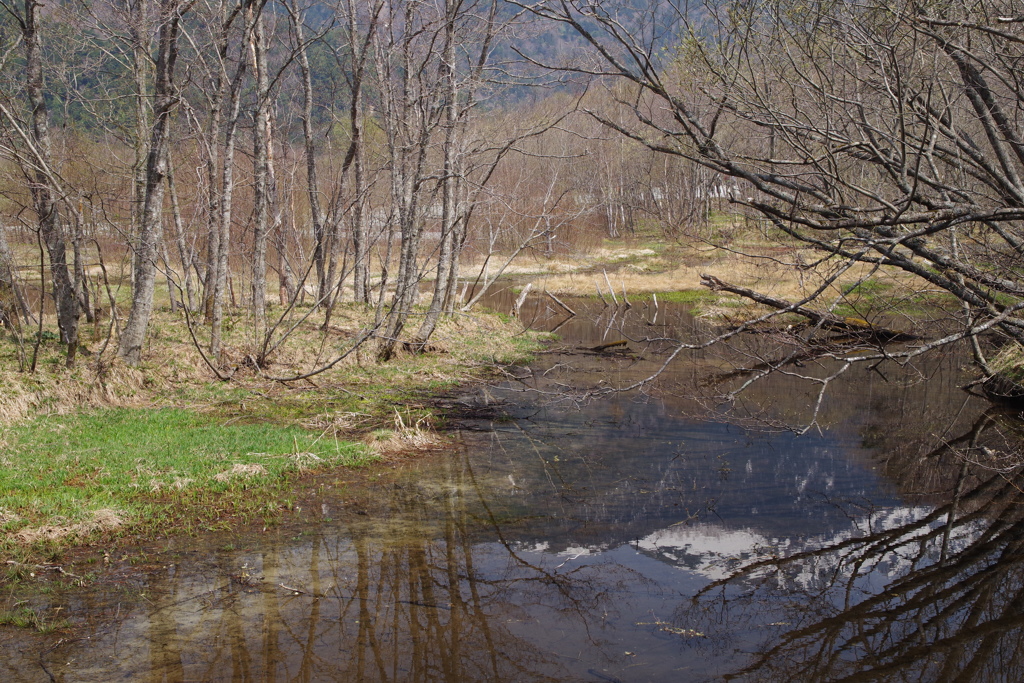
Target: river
column 571, row 533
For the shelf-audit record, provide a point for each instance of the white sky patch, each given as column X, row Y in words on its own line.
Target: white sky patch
column 716, row 552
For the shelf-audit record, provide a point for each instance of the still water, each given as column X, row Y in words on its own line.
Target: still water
column 575, row 536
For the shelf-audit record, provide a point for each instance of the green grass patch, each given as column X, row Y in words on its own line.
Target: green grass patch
column 868, row 288
column 149, row 467
column 688, row 296
column 25, row 617
column 694, row 299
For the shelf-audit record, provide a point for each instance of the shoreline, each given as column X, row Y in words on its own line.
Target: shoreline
column 103, row 453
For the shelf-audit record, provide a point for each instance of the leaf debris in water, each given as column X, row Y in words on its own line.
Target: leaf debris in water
column 669, row 628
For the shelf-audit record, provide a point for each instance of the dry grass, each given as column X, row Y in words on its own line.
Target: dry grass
column 101, row 520
column 404, row 439
column 788, row 274
column 173, row 372
column 530, row 264
column 62, row 391
column 241, row 471
column 1009, row 362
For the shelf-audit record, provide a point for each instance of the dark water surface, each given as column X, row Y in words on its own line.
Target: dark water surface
column 624, row 538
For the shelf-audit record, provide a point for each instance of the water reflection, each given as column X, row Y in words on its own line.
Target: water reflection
column 935, row 596
column 627, row 541
column 416, row 597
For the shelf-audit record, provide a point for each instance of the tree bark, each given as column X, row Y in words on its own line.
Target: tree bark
column 185, row 253
column 45, row 193
column 449, row 182
column 312, row 174
column 263, row 190
column 134, row 333
column 221, row 280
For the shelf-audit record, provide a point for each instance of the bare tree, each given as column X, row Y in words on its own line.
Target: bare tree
column 877, row 133
column 150, row 230
column 317, row 218
column 264, row 176
column 30, row 144
column 459, row 100
column 408, row 66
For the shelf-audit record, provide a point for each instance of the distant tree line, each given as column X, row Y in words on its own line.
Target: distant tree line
column 328, row 149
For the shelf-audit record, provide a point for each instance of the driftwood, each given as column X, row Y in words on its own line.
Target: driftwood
column 522, row 298
column 610, row 345
column 560, row 303
column 610, row 288
column 827, row 321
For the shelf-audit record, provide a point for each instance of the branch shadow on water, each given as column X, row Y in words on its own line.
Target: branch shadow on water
column 937, row 596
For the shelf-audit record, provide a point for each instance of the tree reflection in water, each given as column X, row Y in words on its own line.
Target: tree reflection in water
column 412, row 598
column 567, row 548
column 937, row 598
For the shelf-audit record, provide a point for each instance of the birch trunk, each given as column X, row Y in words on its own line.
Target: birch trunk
column 221, row 279
column 312, row 183
column 214, row 161
column 185, row 253
column 449, row 212
column 134, row 333
column 263, row 180
column 409, row 130
column 360, row 242
column 141, row 73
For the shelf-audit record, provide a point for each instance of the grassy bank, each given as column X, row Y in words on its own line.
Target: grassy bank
column 743, row 255
column 66, row 476
column 106, row 451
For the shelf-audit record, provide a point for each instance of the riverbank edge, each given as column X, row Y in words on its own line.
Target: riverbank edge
column 382, row 410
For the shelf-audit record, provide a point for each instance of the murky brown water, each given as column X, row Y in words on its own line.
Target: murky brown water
column 624, row 538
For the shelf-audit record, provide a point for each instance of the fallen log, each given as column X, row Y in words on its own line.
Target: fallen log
column 522, row 298
column 560, row 303
column 609, row 345
column 827, row 321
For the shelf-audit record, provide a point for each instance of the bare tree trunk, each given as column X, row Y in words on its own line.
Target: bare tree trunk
column 172, row 297
column 451, row 299
column 312, row 184
column 186, row 254
column 141, row 72
column 360, row 238
column 263, row 181
column 411, row 117
column 81, row 283
column 287, row 288
column 360, row 243
column 449, row 211
column 212, row 208
column 214, row 160
column 134, row 332
column 221, row 282
column 44, row 188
